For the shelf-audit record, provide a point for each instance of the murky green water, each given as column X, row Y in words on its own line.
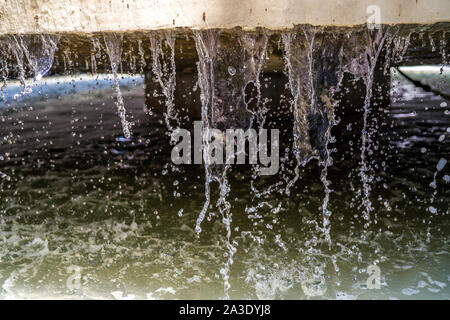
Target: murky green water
column 85, row 213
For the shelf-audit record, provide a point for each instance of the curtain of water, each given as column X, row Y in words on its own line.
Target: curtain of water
column 315, row 63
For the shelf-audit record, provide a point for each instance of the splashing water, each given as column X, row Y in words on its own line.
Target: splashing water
column 113, row 44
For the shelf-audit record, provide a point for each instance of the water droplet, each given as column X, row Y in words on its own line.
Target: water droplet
column 441, row 164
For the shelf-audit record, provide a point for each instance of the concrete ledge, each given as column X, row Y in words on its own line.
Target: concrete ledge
column 89, row 16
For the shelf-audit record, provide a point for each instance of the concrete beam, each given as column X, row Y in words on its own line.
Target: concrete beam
column 90, row 16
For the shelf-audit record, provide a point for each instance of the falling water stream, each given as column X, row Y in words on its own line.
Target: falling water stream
column 113, row 44
column 79, row 194
column 312, row 60
column 224, row 70
column 165, row 73
column 38, row 51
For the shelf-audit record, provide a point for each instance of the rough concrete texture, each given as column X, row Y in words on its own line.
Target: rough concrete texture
column 88, row 16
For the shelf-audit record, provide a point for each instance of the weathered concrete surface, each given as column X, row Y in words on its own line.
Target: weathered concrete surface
column 89, row 16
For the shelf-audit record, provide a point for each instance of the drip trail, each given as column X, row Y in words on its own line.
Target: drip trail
column 113, row 44
column 165, row 73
